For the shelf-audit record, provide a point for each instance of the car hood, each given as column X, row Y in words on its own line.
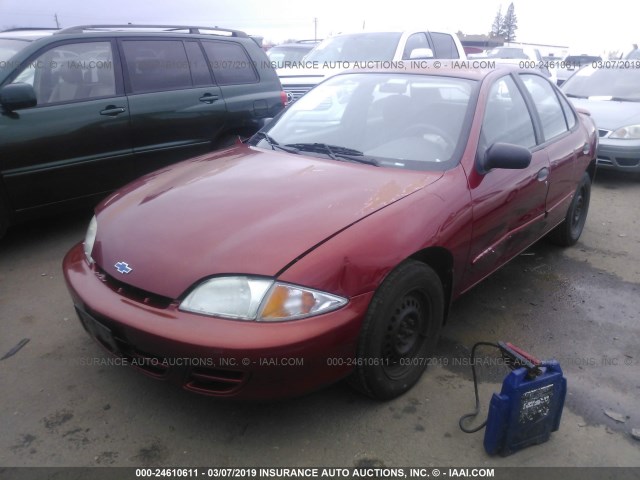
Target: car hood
column 243, row 210
column 610, row 115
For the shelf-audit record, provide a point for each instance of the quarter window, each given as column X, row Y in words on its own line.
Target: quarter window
column 229, row 63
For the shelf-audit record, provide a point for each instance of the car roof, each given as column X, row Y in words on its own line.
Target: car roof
column 447, row 69
column 27, row 34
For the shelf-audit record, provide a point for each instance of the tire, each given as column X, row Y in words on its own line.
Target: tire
column 400, row 331
column 568, row 232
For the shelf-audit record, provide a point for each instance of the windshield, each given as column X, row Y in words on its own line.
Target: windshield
column 9, row 47
column 280, row 56
column 358, row 47
column 395, row 120
column 607, row 83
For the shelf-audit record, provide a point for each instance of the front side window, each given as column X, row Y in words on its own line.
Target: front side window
column 71, row 72
column 417, row 40
column 506, row 117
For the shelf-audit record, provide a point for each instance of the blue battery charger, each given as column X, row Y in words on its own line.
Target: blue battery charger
column 527, row 409
column 529, row 406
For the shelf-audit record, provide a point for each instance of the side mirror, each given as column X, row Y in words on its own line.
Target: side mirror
column 505, row 155
column 18, row 95
column 421, row 53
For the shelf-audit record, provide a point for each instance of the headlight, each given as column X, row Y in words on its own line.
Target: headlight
column 246, row 298
column 90, row 238
column 632, row 132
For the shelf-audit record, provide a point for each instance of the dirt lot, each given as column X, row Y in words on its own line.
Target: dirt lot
column 578, row 305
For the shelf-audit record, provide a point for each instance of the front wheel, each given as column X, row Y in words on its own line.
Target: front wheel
column 569, row 231
column 399, row 332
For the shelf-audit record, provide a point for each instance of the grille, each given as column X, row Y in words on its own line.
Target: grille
column 604, row 161
column 133, row 293
column 294, row 94
column 627, row 162
column 603, row 133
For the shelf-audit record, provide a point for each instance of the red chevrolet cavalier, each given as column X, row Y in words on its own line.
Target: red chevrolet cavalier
column 331, row 245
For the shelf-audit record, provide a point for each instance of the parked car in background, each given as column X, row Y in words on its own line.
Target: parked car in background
column 634, row 53
column 573, row 63
column 612, row 96
column 333, row 243
column 87, row 109
column 522, row 56
column 286, row 54
column 367, row 50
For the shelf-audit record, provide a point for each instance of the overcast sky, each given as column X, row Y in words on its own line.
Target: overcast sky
column 582, row 26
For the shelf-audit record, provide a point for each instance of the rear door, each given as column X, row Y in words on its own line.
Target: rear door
column 76, row 142
column 562, row 141
column 176, row 109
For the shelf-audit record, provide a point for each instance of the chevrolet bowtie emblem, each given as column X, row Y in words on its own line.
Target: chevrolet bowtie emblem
column 123, row 267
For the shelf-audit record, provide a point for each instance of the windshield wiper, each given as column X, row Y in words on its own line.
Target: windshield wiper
column 275, row 145
column 335, row 152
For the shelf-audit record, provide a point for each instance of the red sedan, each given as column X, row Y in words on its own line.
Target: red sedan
column 332, row 243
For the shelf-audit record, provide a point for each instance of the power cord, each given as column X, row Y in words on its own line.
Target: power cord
column 475, row 388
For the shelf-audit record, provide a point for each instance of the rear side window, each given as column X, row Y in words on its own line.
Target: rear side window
column 199, row 69
column 230, row 63
column 547, row 104
column 444, row 45
column 156, row 65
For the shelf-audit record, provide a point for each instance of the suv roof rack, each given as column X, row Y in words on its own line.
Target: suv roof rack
column 27, row 29
column 167, row 28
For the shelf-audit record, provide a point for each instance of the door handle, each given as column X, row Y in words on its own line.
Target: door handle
column 208, row 98
column 112, row 111
column 543, row 174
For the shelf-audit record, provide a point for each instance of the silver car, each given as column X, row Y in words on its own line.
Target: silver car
column 612, row 96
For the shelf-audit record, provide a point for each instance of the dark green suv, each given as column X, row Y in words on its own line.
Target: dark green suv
column 86, row 109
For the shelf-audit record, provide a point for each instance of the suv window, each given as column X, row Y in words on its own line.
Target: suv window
column 547, row 104
column 199, row 70
column 156, row 65
column 230, row 63
column 506, row 118
column 71, row 72
column 444, row 45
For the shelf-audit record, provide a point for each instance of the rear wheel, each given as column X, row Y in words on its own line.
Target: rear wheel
column 569, row 231
column 400, row 330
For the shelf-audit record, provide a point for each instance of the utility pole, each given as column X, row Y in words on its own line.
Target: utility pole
column 315, row 29
column 56, row 19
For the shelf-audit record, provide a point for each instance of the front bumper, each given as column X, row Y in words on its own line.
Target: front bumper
column 622, row 155
column 214, row 356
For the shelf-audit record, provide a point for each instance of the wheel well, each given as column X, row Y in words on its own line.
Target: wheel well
column 441, row 260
